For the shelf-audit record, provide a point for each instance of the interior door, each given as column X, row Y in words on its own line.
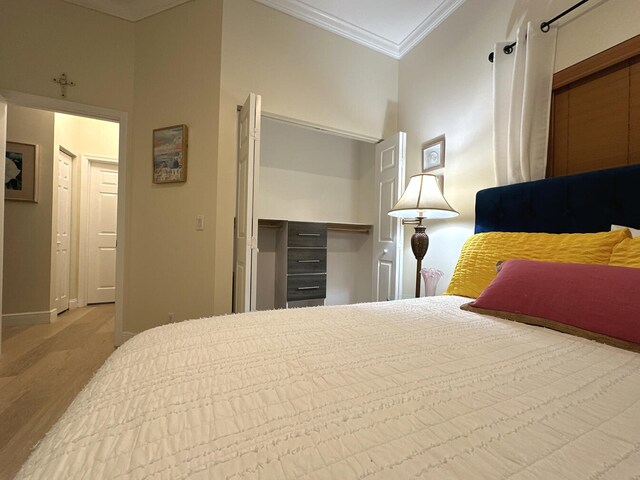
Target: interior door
column 246, row 241
column 63, row 236
column 103, row 217
column 387, row 230
column 3, row 146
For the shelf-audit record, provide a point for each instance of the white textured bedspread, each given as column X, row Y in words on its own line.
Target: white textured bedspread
column 414, row 388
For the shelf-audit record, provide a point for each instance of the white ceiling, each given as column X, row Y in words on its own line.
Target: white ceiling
column 392, row 27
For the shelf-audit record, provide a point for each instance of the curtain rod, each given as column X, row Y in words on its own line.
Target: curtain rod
column 544, row 26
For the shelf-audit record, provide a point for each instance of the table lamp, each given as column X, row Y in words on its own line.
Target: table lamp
column 421, row 199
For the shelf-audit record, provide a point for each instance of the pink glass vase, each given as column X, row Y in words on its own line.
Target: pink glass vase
column 431, row 277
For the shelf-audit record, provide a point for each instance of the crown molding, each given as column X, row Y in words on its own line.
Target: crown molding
column 428, row 25
column 131, row 11
column 360, row 35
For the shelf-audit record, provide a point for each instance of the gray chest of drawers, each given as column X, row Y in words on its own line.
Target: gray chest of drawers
column 301, row 264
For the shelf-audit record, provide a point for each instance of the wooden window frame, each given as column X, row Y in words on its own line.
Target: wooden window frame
column 605, row 59
column 597, row 63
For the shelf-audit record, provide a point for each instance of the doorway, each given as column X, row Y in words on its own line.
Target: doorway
column 69, row 181
column 289, row 170
column 95, row 145
column 118, row 120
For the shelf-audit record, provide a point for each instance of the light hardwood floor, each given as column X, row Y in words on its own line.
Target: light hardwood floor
column 42, row 369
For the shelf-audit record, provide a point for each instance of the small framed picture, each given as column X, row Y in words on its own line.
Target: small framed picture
column 21, row 172
column 433, row 154
column 170, row 154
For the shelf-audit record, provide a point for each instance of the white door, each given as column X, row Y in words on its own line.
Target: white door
column 3, row 146
column 103, row 217
column 63, row 234
column 387, row 231
column 246, row 241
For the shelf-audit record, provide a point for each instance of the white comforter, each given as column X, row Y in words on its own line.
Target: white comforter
column 414, row 388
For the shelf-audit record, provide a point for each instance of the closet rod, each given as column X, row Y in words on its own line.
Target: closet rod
column 350, row 229
column 544, row 26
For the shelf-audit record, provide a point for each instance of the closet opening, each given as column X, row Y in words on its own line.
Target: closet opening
column 313, row 176
column 311, row 194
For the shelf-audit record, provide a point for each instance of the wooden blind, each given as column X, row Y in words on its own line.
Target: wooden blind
column 595, row 116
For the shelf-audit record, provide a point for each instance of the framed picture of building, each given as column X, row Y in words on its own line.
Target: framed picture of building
column 170, row 154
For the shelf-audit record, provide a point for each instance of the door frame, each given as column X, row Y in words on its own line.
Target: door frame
column 3, row 138
column 86, row 164
column 64, row 106
column 298, row 123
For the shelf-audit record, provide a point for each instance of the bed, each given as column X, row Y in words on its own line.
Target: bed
column 404, row 389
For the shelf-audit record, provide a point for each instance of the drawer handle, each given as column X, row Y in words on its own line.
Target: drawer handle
column 308, row 261
column 308, row 234
column 317, row 287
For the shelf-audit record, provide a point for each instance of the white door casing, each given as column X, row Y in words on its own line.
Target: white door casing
column 246, row 241
column 3, row 146
column 73, row 108
column 387, row 231
column 63, row 231
column 102, row 230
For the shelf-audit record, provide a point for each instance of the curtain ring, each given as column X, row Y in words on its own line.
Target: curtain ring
column 544, row 26
column 508, row 49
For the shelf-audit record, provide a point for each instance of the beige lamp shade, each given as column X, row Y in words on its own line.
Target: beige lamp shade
column 422, row 199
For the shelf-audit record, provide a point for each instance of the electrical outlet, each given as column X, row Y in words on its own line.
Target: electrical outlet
column 199, row 222
column 171, row 320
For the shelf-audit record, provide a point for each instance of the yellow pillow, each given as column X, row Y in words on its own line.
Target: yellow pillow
column 477, row 263
column 626, row 253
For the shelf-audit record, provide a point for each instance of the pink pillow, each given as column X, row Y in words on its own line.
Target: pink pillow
column 576, row 298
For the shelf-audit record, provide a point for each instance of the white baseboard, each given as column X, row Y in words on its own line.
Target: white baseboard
column 29, row 318
column 73, row 303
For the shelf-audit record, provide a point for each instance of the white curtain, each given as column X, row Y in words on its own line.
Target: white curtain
column 522, row 100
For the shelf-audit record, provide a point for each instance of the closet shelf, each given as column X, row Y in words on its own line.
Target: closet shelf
column 349, row 227
column 336, row 227
column 269, row 223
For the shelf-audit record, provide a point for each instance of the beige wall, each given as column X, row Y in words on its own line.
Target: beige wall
column 171, row 266
column 41, row 39
column 49, row 37
column 445, row 87
column 599, row 26
column 27, row 227
column 175, row 59
column 309, row 175
column 303, row 73
column 82, row 136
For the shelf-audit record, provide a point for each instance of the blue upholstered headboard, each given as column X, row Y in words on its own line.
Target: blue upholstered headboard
column 587, row 202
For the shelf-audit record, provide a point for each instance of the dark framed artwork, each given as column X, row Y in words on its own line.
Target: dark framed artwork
column 170, row 154
column 21, row 172
column 433, row 154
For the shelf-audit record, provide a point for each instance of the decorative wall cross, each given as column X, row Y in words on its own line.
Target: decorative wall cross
column 64, row 83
